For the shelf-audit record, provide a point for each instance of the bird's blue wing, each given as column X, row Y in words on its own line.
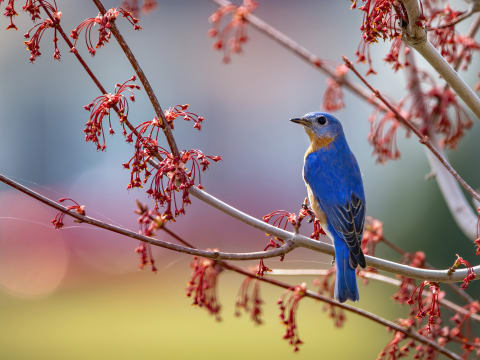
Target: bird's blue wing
column 337, row 186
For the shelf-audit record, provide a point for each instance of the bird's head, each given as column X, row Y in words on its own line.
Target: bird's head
column 322, row 128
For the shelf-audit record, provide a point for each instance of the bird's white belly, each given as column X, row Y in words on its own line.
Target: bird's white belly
column 318, row 211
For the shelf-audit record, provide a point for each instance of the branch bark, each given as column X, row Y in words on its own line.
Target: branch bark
column 416, row 37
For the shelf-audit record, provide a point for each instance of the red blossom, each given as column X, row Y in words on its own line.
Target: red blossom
column 430, row 307
column 470, row 272
column 477, row 241
column 249, row 300
column 327, row 287
column 382, row 136
column 393, row 56
column 417, row 260
column 134, row 7
column 445, row 37
column 393, row 348
column 462, row 329
column 101, row 106
column 333, row 96
column 443, row 103
column 372, row 235
column 381, row 21
column 149, row 222
column 180, row 111
column 288, row 304
column 10, row 12
column 237, row 25
column 104, row 23
column 58, row 220
column 203, row 285
column 33, row 44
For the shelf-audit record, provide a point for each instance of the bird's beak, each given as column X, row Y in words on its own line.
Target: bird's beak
column 301, row 121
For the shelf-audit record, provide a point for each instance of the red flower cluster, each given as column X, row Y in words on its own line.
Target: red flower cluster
column 372, row 235
column 477, row 240
column 237, row 25
column 249, row 300
column 180, row 111
column 327, row 287
column 280, row 219
column 333, row 96
column 101, row 106
column 393, row 56
column 417, row 260
column 203, row 285
column 393, row 348
column 430, row 307
column 134, row 7
column 462, row 330
column 33, row 44
column 104, row 23
column 288, row 313
column 58, row 220
column 445, row 38
column 470, row 273
column 10, row 12
column 149, row 222
column 381, row 20
column 382, row 136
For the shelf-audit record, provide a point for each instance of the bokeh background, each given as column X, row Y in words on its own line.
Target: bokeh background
column 77, row 293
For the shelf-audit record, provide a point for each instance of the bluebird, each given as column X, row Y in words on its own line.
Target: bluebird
column 335, row 191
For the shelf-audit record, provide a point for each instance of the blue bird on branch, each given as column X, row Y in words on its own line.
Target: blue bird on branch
column 335, row 191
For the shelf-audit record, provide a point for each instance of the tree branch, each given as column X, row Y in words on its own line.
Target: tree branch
column 292, row 241
column 416, row 37
column 369, row 275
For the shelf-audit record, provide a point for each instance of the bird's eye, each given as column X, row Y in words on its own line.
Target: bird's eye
column 322, row 120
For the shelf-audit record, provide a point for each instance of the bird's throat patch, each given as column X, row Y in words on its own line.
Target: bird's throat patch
column 316, row 142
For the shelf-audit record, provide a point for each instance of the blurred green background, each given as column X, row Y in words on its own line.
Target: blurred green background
column 77, row 293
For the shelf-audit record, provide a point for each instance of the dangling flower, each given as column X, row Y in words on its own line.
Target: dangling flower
column 470, row 273
column 58, row 220
column 249, row 300
column 104, row 22
column 288, row 313
column 203, row 285
column 101, row 106
column 237, row 25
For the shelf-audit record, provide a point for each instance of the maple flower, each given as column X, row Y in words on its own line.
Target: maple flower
column 431, row 307
column 10, row 12
column 134, row 6
column 372, row 235
column 203, row 285
column 477, row 241
column 333, row 95
column 32, row 7
column 33, row 41
column 104, row 22
column 288, row 313
column 393, row 56
column 445, row 37
column 381, row 21
column 149, row 222
column 180, row 111
column 236, row 25
column 100, row 108
column 443, row 102
column 327, row 287
column 382, row 136
column 417, row 260
column 249, row 300
column 58, row 220
column 393, row 348
column 470, row 272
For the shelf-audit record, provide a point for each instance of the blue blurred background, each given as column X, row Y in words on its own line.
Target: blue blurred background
column 77, row 293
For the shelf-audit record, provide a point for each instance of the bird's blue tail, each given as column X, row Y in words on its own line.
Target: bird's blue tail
column 346, row 282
